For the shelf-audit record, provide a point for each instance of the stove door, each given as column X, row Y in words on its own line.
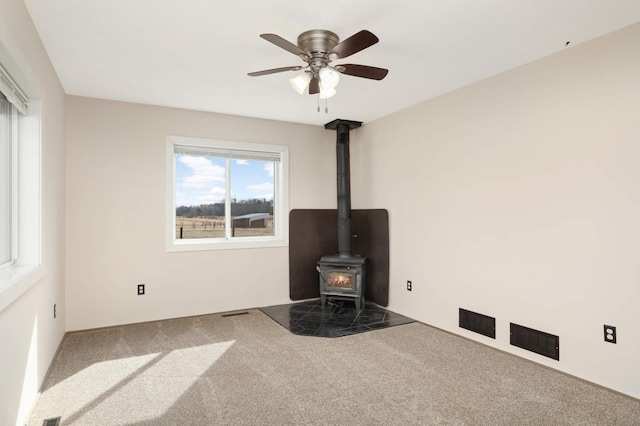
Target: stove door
column 340, row 281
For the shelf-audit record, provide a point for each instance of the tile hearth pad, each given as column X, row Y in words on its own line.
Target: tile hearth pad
column 336, row 319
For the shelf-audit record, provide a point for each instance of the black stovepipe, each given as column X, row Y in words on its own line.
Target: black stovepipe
column 342, row 128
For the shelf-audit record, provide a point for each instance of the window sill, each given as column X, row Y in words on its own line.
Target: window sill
column 206, row 244
column 16, row 280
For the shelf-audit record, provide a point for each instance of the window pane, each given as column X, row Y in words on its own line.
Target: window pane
column 252, row 193
column 6, row 185
column 200, row 196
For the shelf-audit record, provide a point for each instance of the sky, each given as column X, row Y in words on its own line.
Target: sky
column 201, row 180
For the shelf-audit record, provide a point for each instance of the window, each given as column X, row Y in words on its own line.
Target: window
column 19, row 189
column 8, row 139
column 12, row 101
column 223, row 195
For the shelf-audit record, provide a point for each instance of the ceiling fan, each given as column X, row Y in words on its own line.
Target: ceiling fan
column 318, row 48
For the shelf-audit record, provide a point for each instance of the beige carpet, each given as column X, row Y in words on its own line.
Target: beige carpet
column 248, row 370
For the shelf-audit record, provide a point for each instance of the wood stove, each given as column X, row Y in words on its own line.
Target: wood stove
column 342, row 276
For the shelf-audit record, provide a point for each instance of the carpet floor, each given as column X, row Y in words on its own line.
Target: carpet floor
column 248, row 370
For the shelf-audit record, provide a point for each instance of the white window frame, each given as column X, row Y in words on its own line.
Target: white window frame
column 13, row 179
column 280, row 207
column 26, row 269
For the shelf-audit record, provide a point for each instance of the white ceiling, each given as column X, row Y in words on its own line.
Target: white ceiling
column 196, row 54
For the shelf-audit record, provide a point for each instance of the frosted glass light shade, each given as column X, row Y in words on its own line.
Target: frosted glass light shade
column 300, row 82
column 327, row 93
column 329, row 78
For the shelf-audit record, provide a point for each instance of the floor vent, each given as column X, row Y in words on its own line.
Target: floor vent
column 54, row 421
column 478, row 323
column 234, row 314
column 535, row 341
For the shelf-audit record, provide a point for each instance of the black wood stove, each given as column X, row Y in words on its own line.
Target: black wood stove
column 342, row 275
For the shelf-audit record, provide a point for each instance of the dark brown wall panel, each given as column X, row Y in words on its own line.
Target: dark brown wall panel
column 314, row 233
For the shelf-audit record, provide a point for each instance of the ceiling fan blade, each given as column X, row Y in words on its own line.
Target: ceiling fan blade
column 284, row 44
column 314, row 86
column 273, row 71
column 355, row 43
column 364, row 71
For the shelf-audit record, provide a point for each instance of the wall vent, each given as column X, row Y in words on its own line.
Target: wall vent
column 54, row 421
column 535, row 341
column 477, row 323
column 234, row 314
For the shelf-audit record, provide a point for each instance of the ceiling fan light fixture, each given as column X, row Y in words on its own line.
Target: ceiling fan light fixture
column 327, row 93
column 300, row 82
column 329, row 78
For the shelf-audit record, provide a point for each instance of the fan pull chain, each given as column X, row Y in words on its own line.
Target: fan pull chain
column 326, row 106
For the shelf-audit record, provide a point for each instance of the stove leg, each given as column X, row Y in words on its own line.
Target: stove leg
column 323, row 300
column 358, row 303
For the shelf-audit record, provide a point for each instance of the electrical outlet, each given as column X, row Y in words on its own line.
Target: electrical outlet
column 609, row 334
column 55, row 311
column 140, row 289
column 409, row 285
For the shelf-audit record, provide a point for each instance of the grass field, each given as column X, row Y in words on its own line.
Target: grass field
column 213, row 227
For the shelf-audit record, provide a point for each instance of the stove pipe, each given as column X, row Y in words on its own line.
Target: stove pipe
column 342, row 128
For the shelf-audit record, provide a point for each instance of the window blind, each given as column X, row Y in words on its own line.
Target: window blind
column 234, row 154
column 12, row 91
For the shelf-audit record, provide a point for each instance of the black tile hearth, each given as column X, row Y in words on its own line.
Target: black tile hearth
column 336, row 319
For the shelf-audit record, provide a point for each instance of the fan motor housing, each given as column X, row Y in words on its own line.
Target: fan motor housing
column 318, row 41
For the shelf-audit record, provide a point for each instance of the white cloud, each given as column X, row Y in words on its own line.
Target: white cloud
column 267, row 186
column 268, row 167
column 203, row 172
column 215, row 195
column 199, row 181
column 182, row 199
column 242, row 162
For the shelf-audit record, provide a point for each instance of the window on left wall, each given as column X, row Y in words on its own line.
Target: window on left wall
column 8, row 181
column 20, row 237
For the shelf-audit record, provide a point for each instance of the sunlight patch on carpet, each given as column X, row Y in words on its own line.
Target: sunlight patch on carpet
column 139, row 388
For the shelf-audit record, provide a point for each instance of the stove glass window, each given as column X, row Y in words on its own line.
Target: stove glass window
column 340, row 279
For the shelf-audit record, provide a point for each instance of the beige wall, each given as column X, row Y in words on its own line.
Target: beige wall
column 518, row 197
column 115, row 215
column 28, row 332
